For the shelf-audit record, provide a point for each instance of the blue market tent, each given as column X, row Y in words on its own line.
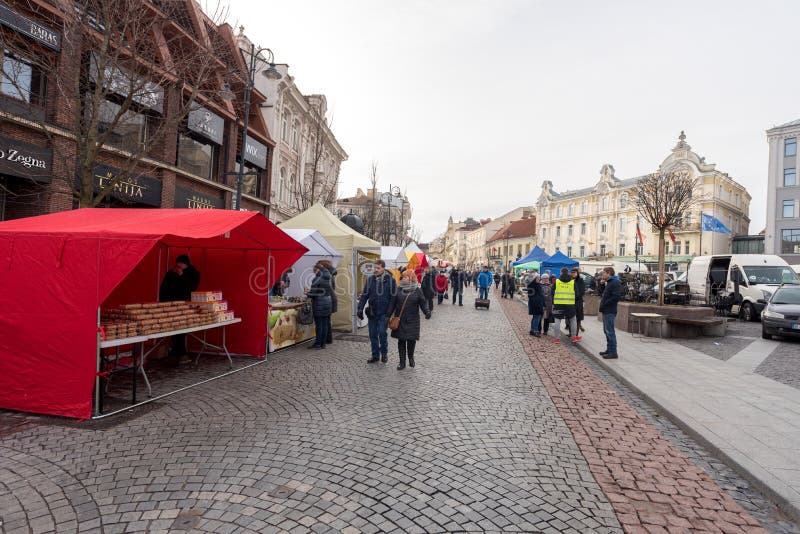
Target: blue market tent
column 556, row 262
column 537, row 255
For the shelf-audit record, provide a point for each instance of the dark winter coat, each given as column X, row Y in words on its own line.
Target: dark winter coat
column 580, row 291
column 379, row 292
column 457, row 280
column 504, row 282
column 409, row 320
column 179, row 286
column 428, row 285
column 496, row 277
column 547, row 293
column 512, row 284
column 611, row 295
column 334, row 300
column 535, row 298
column 320, row 293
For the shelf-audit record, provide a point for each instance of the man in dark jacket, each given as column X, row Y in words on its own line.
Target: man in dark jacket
column 378, row 291
column 535, row 305
column 321, row 304
column 608, row 307
column 178, row 284
column 457, row 283
column 496, row 280
column 580, row 291
column 334, row 301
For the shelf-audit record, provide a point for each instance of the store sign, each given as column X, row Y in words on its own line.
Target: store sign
column 189, row 198
column 25, row 160
column 123, row 83
column 206, row 123
column 255, row 153
column 25, row 26
column 139, row 189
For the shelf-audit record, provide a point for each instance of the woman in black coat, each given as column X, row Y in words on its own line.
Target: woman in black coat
column 580, row 291
column 429, row 287
column 321, row 304
column 535, row 304
column 406, row 304
column 334, row 301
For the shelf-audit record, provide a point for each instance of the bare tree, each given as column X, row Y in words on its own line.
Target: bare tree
column 662, row 199
column 319, row 180
column 128, row 76
column 371, row 212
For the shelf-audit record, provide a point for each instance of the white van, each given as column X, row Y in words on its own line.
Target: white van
column 748, row 280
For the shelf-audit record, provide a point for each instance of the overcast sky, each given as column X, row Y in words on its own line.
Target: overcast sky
column 468, row 105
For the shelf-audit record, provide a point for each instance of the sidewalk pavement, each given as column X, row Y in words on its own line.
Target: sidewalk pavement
column 752, row 421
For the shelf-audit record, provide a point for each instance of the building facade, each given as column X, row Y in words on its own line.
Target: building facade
column 599, row 222
column 193, row 162
column 782, row 235
column 308, row 157
column 478, row 254
column 511, row 242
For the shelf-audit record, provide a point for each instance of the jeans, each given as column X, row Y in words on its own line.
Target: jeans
column 429, row 300
column 321, row 329
column 460, row 297
column 536, row 324
column 611, row 334
column 441, row 297
column 377, row 336
column 573, row 325
column 484, row 293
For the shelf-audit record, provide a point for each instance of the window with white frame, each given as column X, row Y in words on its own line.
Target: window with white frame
column 789, row 147
column 285, row 127
column 604, row 203
column 603, row 227
column 623, row 224
column 623, row 201
column 583, row 228
column 295, row 127
column 621, row 249
column 788, row 209
column 569, row 231
column 558, row 232
column 558, row 211
column 581, row 251
column 544, row 234
column 584, row 207
column 571, row 209
column 602, row 250
column 569, row 252
column 686, row 247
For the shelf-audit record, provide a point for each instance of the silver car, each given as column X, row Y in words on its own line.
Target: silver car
column 781, row 315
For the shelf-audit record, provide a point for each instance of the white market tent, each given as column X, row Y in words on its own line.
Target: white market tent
column 303, row 269
column 394, row 257
column 358, row 253
column 412, row 247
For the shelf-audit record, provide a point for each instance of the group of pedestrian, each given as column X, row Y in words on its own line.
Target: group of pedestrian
column 388, row 304
column 552, row 299
column 508, row 285
column 322, row 294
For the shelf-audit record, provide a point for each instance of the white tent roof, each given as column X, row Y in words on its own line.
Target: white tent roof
column 337, row 233
column 313, row 241
column 412, row 247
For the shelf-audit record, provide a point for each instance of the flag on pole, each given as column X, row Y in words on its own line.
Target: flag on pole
column 709, row 223
column 639, row 234
column 671, row 235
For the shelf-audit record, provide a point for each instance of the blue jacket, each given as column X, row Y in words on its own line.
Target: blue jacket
column 379, row 292
column 611, row 295
column 485, row 279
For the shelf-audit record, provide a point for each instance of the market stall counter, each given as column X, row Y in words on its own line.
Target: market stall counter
column 290, row 322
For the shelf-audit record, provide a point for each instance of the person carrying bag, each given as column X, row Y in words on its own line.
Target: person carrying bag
column 409, row 300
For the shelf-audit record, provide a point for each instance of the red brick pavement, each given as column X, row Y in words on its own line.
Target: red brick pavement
column 652, row 486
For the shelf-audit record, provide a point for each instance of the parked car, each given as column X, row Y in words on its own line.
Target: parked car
column 781, row 315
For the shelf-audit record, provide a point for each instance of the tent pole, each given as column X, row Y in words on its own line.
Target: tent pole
column 158, row 273
column 354, row 305
column 269, row 267
column 97, row 385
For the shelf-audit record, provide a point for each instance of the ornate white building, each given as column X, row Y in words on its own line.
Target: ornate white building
column 304, row 140
column 600, row 221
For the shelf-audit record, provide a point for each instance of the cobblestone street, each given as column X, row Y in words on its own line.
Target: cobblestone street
column 470, row 440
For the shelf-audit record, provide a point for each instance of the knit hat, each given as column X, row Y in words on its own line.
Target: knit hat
column 545, row 276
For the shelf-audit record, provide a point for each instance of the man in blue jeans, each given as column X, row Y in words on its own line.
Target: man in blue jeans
column 378, row 291
column 484, row 283
column 612, row 293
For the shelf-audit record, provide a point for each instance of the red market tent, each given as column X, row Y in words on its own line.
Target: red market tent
column 58, row 269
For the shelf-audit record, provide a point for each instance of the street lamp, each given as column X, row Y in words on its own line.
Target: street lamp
column 227, row 95
column 508, row 235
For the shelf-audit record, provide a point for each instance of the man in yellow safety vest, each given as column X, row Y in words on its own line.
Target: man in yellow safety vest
column 564, row 306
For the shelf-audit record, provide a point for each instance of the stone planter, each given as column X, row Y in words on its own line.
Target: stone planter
column 590, row 304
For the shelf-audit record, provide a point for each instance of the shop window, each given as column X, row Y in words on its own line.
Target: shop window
column 23, row 80
column 127, row 130
column 197, row 156
column 251, row 180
